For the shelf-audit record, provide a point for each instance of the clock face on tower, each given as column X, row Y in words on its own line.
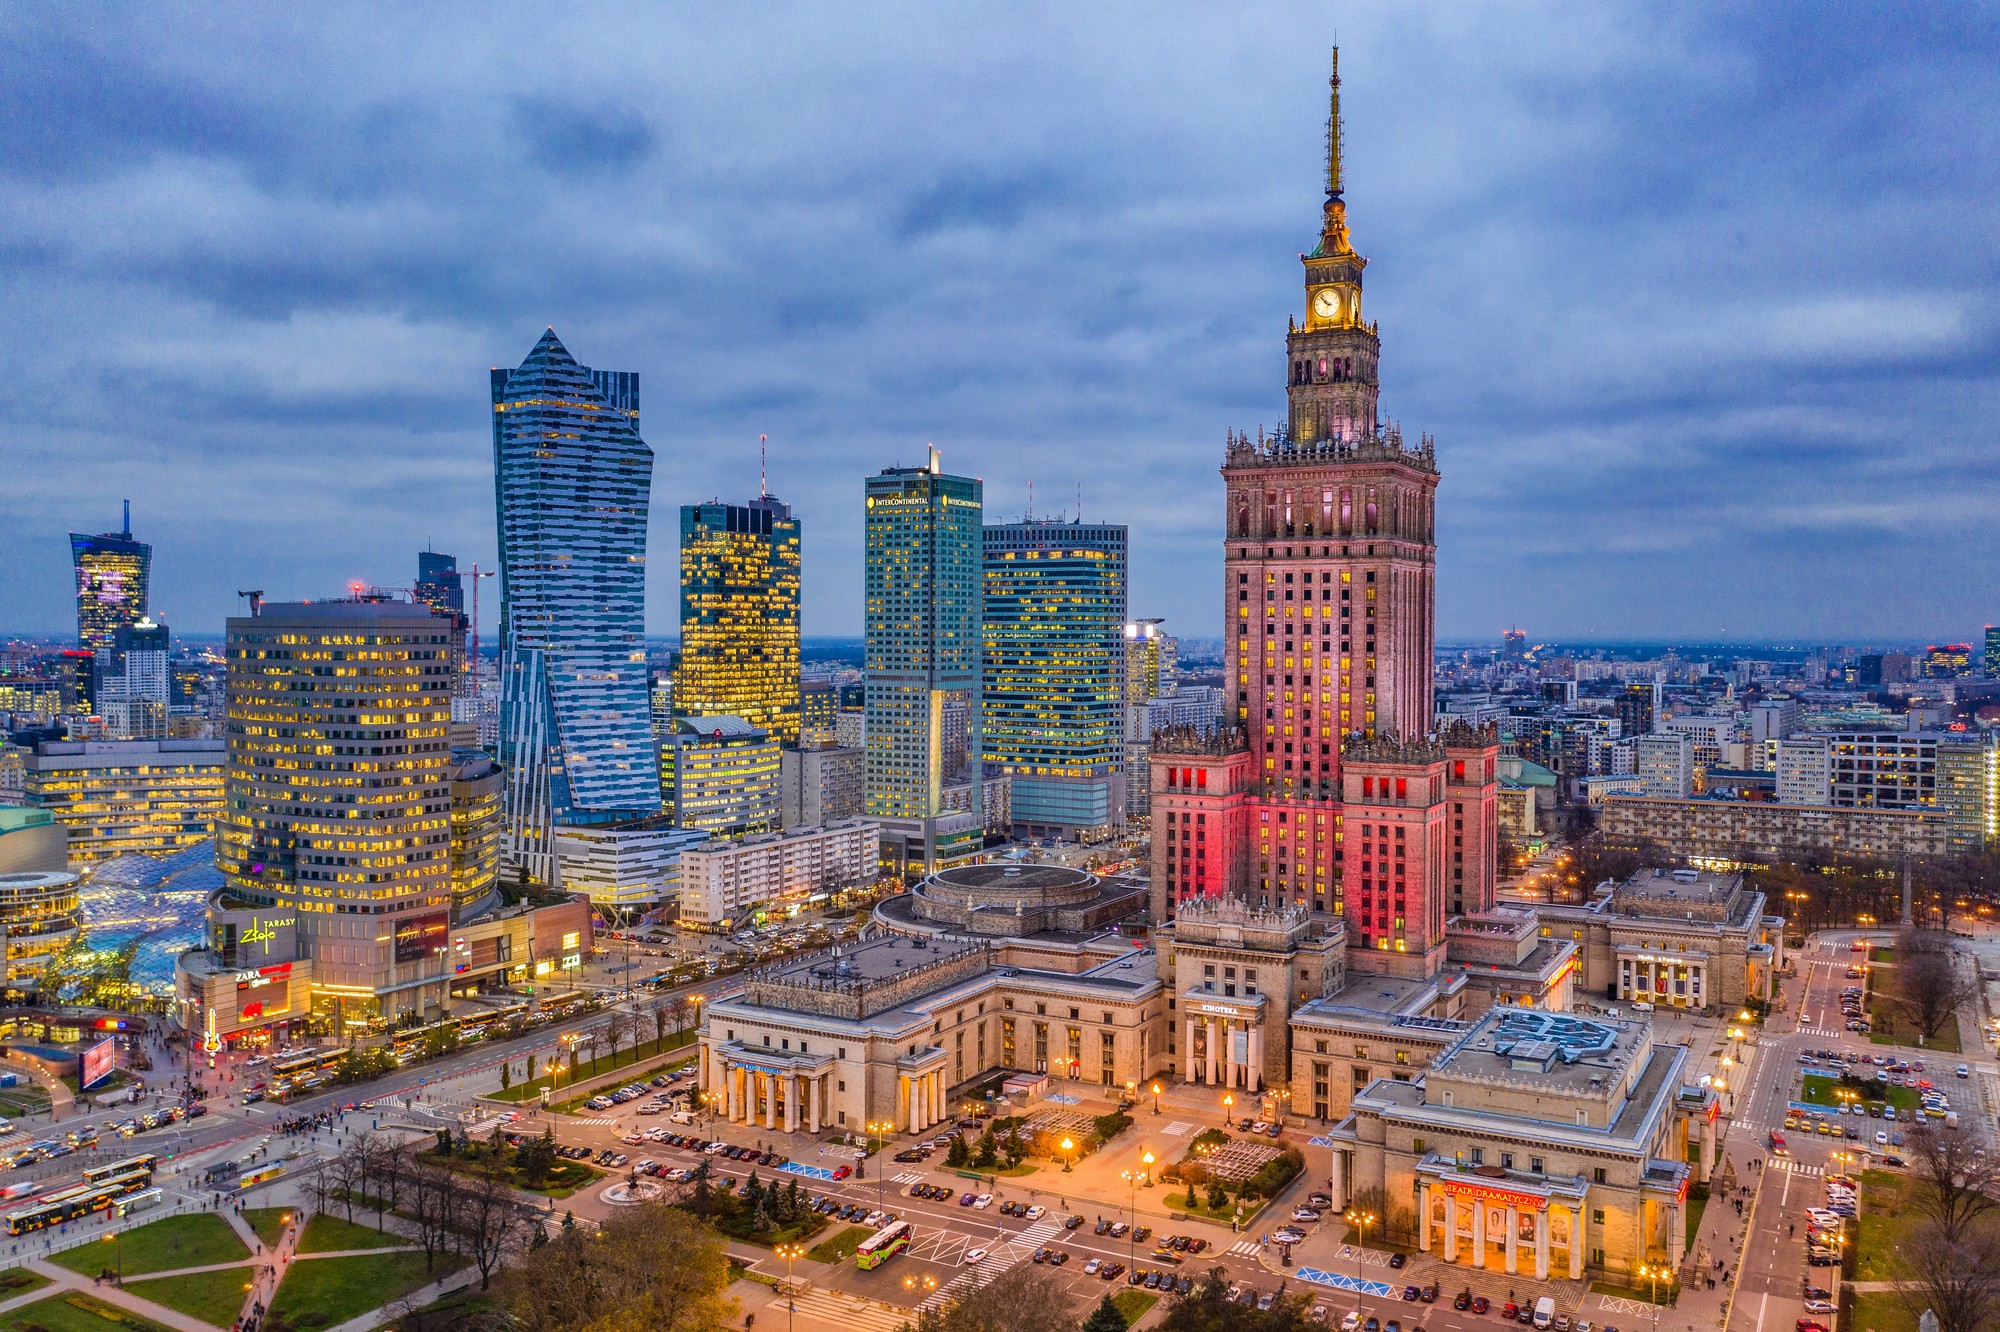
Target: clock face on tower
column 1326, row 303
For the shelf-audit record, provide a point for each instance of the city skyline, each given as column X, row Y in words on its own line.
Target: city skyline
column 1643, row 366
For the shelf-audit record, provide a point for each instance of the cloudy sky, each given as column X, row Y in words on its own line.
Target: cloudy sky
column 1698, row 301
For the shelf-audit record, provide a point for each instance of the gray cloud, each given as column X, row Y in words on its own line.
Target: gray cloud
column 1698, row 301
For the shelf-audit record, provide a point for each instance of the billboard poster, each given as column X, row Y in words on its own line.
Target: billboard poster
column 420, row 937
column 97, row 1063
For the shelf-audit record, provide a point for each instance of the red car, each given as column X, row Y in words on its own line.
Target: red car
column 842, row 1172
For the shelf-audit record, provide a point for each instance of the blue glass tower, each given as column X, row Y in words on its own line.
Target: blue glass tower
column 572, row 479
column 1053, row 666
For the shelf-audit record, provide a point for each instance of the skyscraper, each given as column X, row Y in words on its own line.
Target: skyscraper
column 572, row 479
column 439, row 583
column 1052, row 667
column 740, row 615
column 1329, row 560
column 113, row 573
column 923, row 588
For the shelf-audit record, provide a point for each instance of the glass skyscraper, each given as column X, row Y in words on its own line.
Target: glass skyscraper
column 112, row 575
column 572, row 480
column 923, row 593
column 1054, row 666
column 740, row 615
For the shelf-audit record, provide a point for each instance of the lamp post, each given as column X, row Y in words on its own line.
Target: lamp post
column 1156, row 1098
column 1229, row 1107
column 1360, row 1221
column 1067, row 1148
column 877, row 1128
column 791, row 1253
column 1132, row 1179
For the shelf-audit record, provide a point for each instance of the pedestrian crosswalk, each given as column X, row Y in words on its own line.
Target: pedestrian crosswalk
column 1245, row 1249
column 1819, row 1031
column 1796, row 1167
column 909, row 1177
column 1003, row 1255
column 602, row 1121
column 846, row 1310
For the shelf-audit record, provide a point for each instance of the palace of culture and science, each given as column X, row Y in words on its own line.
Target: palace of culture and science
column 1325, row 942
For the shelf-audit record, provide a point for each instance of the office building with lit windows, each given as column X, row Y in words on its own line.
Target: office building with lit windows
column 119, row 796
column 572, row 478
column 722, row 776
column 340, row 790
column 1053, row 671
column 113, row 573
column 740, row 615
column 923, row 589
column 41, row 914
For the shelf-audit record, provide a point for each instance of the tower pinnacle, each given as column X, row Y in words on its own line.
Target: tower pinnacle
column 1333, row 135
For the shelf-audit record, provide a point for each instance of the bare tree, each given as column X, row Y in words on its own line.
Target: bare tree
column 657, row 1011
column 430, row 1192
column 1927, row 982
column 681, row 1012
column 347, row 1172
column 488, row 1217
column 1022, row 1299
column 1957, row 1281
column 1955, row 1183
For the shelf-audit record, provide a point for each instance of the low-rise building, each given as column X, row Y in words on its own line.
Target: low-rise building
column 1673, row 938
column 1743, row 830
column 624, row 868
column 115, row 796
column 724, row 883
column 40, row 912
column 1535, row 1144
column 31, row 840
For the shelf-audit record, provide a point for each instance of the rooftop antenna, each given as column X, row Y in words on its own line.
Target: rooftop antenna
column 1031, row 501
column 1079, row 501
column 763, row 490
column 937, row 467
column 128, row 520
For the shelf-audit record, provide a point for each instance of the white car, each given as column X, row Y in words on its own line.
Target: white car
column 1818, row 1307
column 876, row 1219
column 1304, row 1214
column 974, row 1256
column 1352, row 1321
column 1965, row 1070
column 1881, row 1138
column 1037, row 1212
column 983, row 1201
column 1090, row 1268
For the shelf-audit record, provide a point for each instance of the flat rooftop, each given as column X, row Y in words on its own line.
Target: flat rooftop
column 1532, row 1047
column 876, row 960
column 1659, row 887
column 1377, row 997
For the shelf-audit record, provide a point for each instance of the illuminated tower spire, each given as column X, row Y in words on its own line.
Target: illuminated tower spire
column 1333, row 235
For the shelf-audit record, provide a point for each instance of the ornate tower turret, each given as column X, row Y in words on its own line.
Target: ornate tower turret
column 1332, row 382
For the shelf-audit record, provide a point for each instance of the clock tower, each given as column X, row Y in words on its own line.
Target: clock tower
column 1332, row 384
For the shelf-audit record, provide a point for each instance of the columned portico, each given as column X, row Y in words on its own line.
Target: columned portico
column 920, row 1088
column 1498, row 1220
column 770, row 1089
column 1214, row 1024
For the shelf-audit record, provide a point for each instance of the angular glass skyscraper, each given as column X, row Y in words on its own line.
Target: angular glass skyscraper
column 1054, row 665
column 112, row 574
column 572, row 480
column 923, row 592
column 740, row 615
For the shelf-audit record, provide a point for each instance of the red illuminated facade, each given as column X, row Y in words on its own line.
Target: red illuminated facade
column 1333, row 793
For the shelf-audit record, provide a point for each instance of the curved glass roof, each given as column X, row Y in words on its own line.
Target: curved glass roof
column 159, row 902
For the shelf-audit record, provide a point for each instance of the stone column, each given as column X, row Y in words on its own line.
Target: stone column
column 1707, row 1148
column 1187, row 1065
column 1676, row 1235
column 1513, row 1240
column 1337, row 1180
column 1542, row 1244
column 728, row 1089
column 902, row 1100
column 1229, row 1057
column 937, row 1097
column 1423, row 1218
column 791, row 1103
column 1576, row 1213
column 1256, row 1059
column 1450, row 1226
column 1479, row 1232
column 812, row 1104
column 1214, row 1052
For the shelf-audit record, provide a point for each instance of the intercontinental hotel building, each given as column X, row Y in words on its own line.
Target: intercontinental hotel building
column 1324, row 939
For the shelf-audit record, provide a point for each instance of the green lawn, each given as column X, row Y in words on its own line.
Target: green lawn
column 1886, row 1219
column 268, row 1222
column 330, row 1234
column 452, row 1311
column 1888, row 1031
column 213, row 1297
column 195, row 1240
column 322, row 1292
column 1880, row 1311
column 75, row 1312
column 837, row 1247
column 1819, row 1091
column 17, row 1281
column 1133, row 1304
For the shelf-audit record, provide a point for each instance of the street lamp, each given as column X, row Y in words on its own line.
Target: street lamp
column 877, row 1128
column 1067, row 1148
column 791, row 1253
column 1156, row 1098
column 1228, row 1107
column 1361, row 1221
